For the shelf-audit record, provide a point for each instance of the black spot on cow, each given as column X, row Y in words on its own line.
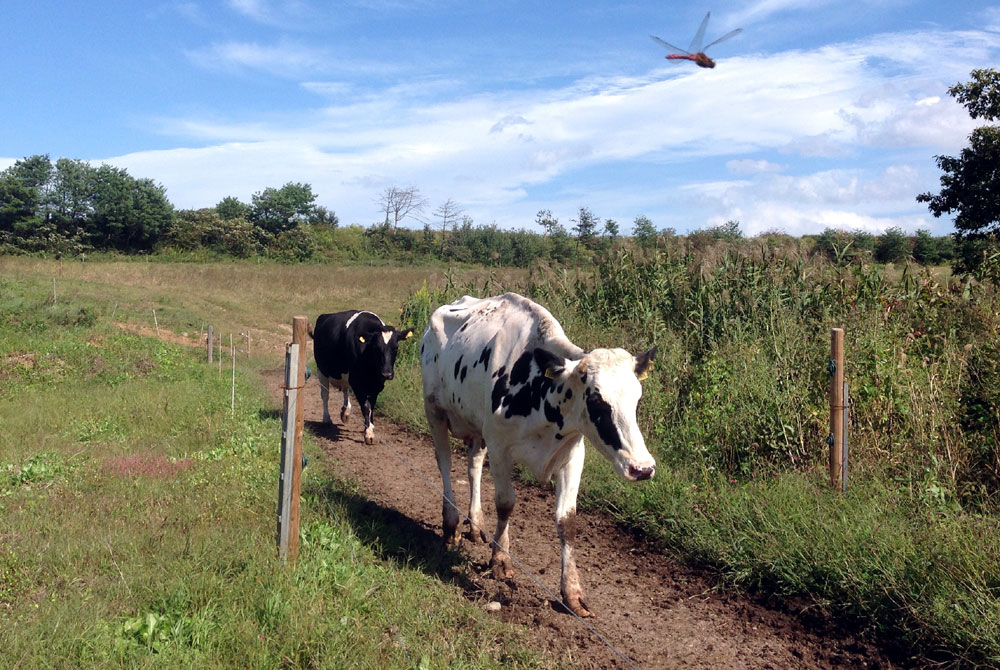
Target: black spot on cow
column 421, row 349
column 601, row 416
column 559, row 388
column 583, row 378
column 465, row 369
column 484, row 357
column 521, row 370
column 435, row 358
column 499, row 389
column 464, row 326
column 559, row 436
column 569, row 394
column 553, row 414
column 458, row 366
column 529, row 398
column 500, row 372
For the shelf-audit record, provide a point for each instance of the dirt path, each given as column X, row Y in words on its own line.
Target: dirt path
column 657, row 613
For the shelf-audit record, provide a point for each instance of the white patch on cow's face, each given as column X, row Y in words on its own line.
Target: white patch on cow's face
column 386, row 336
column 611, row 397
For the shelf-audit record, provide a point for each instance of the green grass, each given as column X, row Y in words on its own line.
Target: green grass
column 735, row 413
column 137, row 521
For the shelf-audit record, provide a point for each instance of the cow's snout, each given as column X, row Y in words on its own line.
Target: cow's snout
column 640, row 472
column 389, row 375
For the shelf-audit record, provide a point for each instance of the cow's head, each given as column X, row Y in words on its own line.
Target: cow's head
column 379, row 348
column 608, row 388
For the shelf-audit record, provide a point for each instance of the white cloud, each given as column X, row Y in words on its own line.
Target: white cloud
column 750, row 166
column 281, row 59
column 846, row 199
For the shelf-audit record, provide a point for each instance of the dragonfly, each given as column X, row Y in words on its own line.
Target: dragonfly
column 695, row 52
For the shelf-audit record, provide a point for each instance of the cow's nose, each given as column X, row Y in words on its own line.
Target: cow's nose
column 640, row 472
column 388, row 375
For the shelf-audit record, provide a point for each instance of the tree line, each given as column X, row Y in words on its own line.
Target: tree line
column 70, row 207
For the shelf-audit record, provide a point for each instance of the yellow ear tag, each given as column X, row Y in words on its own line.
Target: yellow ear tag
column 645, row 373
column 361, row 339
column 409, row 334
column 550, row 373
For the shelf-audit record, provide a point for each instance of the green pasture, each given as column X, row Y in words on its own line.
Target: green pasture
column 735, row 413
column 137, row 508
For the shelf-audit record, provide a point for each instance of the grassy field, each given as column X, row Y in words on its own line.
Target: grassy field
column 734, row 412
column 137, row 508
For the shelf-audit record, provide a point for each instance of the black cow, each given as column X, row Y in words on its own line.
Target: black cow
column 358, row 349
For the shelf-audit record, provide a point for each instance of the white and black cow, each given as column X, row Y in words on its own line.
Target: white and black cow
column 355, row 349
column 500, row 373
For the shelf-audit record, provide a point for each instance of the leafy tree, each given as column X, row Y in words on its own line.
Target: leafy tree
column 611, row 228
column 72, row 194
column 321, row 216
column 925, row 248
column 644, row 232
column 276, row 210
column 892, row 246
column 231, row 207
column 729, row 231
column 586, row 226
column 23, row 219
column 127, row 214
column 18, row 204
column 863, row 241
column 549, row 224
column 970, row 185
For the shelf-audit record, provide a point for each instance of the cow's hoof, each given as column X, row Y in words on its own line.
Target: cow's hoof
column 369, row 437
column 502, row 567
column 343, row 415
column 578, row 606
column 452, row 539
column 475, row 535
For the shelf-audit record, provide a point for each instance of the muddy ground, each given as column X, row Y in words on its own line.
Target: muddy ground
column 656, row 612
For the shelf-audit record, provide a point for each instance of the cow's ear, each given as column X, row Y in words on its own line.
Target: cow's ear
column 552, row 366
column 644, row 363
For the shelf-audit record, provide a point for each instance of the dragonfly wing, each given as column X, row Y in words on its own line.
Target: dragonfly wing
column 668, row 46
column 731, row 33
column 699, row 36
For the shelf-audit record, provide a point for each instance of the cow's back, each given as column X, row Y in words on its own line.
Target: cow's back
column 469, row 342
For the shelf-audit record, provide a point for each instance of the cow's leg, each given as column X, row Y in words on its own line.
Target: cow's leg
column 368, row 414
column 345, row 409
column 502, row 469
column 442, row 452
column 324, row 394
column 567, row 481
column 476, row 456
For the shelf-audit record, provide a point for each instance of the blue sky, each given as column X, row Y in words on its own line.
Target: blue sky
column 821, row 113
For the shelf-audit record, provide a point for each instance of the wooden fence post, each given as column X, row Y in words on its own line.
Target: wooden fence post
column 299, row 334
column 837, row 408
column 232, row 353
column 211, row 342
column 285, row 531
